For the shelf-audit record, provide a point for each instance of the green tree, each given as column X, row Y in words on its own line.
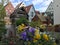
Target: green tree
column 2, row 12
column 22, row 20
column 2, row 15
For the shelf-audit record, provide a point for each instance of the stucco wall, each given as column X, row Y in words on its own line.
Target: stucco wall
column 56, row 12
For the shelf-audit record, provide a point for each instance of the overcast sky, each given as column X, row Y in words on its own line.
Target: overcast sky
column 40, row 5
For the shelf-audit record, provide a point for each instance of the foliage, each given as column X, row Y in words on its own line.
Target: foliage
column 2, row 12
column 2, row 23
column 35, row 23
column 2, row 27
column 21, row 20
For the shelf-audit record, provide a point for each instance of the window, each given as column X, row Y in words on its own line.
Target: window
column 31, row 14
column 52, row 8
column 10, row 10
column 57, row 5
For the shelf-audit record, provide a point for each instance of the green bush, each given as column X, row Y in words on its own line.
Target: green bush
column 34, row 24
column 21, row 20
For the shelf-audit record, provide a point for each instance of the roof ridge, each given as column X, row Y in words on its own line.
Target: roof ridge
column 30, row 5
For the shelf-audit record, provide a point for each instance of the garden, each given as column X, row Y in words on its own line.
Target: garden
column 29, row 35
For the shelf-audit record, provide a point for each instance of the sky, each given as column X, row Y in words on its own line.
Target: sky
column 40, row 5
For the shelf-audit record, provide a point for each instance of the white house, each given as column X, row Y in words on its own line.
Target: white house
column 50, row 12
column 31, row 12
column 56, row 11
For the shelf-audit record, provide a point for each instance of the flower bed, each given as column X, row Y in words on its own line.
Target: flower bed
column 32, row 36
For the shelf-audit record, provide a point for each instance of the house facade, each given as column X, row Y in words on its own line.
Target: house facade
column 39, row 17
column 50, row 13
column 8, row 23
column 9, row 8
column 30, row 10
column 56, row 12
column 18, row 13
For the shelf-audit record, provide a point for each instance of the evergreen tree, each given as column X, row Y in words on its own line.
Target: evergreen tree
column 2, row 15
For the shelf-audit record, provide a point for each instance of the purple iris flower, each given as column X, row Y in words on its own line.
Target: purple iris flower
column 23, row 35
column 31, row 29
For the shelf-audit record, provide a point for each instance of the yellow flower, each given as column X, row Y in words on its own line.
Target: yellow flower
column 42, row 26
column 22, row 25
column 37, row 34
column 36, row 31
column 20, row 28
column 34, row 40
column 45, row 36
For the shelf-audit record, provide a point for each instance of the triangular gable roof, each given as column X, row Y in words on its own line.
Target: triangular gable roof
column 41, row 17
column 36, row 18
column 8, row 4
column 18, row 5
column 50, row 7
column 27, row 8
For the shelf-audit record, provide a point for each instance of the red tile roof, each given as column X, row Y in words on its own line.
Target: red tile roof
column 37, row 12
column 27, row 8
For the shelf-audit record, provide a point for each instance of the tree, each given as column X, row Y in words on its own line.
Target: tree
column 2, row 15
column 2, row 12
column 22, row 20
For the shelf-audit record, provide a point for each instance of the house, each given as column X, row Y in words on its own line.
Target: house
column 50, row 12
column 56, row 6
column 39, row 18
column 9, row 8
column 30, row 10
column 42, row 18
column 9, row 26
column 19, row 12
